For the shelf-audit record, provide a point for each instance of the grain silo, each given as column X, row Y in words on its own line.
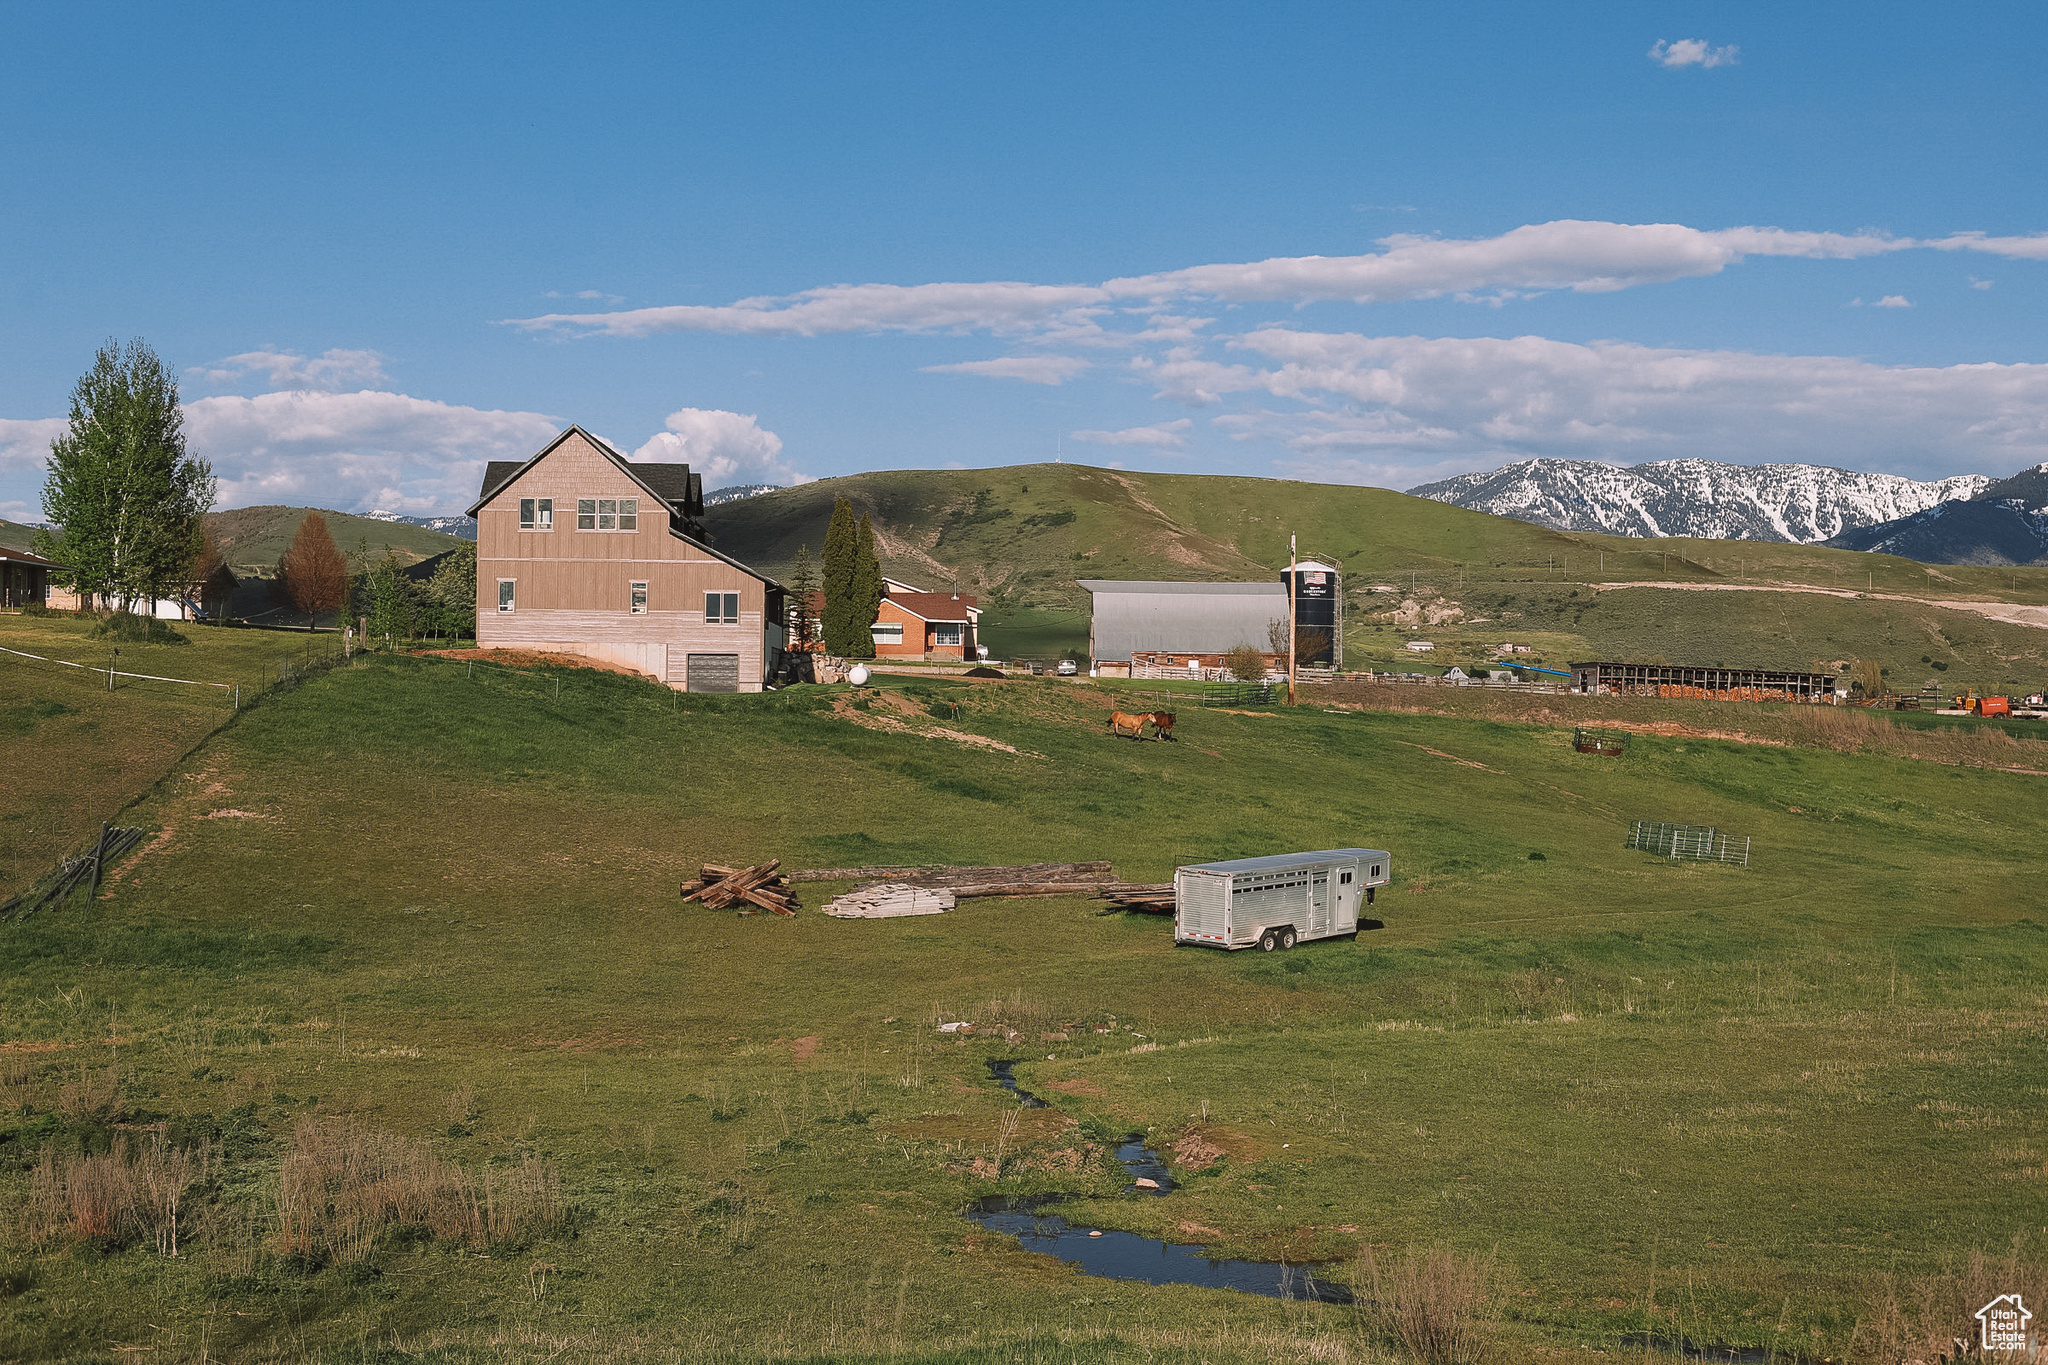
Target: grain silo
column 1318, row 613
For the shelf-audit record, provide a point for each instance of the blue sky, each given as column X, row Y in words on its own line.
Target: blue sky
column 385, row 244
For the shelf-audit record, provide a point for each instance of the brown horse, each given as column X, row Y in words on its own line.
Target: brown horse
column 1125, row 725
column 1162, row 725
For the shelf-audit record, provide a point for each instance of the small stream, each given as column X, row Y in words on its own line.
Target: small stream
column 1126, row 1255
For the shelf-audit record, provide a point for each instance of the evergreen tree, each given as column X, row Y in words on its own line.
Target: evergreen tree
column 126, row 498
column 312, row 575
column 803, row 586
column 843, row 633
column 867, row 584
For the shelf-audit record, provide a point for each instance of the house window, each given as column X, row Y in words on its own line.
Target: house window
column 945, row 634
column 607, row 514
column 887, row 632
column 536, row 514
column 639, row 599
column 721, row 608
column 505, row 593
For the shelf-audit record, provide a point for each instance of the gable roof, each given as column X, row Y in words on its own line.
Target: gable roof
column 32, row 560
column 670, row 484
column 933, row 606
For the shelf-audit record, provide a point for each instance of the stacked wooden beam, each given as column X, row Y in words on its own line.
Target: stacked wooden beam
column 84, row 870
column 1027, row 879
column 750, row 889
column 1148, row 898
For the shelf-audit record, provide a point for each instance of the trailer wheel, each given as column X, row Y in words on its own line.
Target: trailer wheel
column 1287, row 937
column 1269, row 940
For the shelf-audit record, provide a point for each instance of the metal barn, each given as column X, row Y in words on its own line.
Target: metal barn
column 1274, row 902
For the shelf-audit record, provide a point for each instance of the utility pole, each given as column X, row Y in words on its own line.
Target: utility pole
column 1292, row 574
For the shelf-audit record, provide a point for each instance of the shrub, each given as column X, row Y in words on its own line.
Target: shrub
column 117, row 1194
column 1246, row 664
column 34, row 609
column 126, row 627
column 1439, row 1305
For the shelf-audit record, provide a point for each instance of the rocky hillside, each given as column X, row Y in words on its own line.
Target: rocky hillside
column 1800, row 503
column 2004, row 523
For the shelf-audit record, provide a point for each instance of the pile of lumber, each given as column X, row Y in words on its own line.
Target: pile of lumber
column 751, row 889
column 1026, row 879
column 1148, row 898
column 84, row 870
column 890, row 900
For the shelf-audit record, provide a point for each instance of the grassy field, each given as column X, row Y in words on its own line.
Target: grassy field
column 429, row 918
column 255, row 538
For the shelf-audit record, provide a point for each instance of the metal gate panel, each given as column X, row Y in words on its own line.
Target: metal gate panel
column 713, row 673
column 1319, row 903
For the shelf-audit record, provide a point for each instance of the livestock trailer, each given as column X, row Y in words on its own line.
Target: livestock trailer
column 1275, row 902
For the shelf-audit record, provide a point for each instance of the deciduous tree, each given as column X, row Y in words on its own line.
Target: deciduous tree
column 1246, row 664
column 312, row 575
column 125, row 496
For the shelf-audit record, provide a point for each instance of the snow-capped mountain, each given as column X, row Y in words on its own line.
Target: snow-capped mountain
column 461, row 527
column 1802, row 503
column 2004, row 523
column 735, row 492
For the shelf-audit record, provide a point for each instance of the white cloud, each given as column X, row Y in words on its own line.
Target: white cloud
column 356, row 451
column 724, row 447
column 589, row 294
column 285, row 369
column 1032, row 369
column 1692, row 52
column 1416, row 400
column 2033, row 248
column 1582, row 256
column 1976, row 283
column 25, row 442
column 1893, row 301
column 1161, row 436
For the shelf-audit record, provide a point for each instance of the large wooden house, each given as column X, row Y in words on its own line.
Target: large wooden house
column 582, row 551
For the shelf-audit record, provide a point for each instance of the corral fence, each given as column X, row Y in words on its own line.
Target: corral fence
column 1214, row 694
column 1607, row 743
column 1689, row 843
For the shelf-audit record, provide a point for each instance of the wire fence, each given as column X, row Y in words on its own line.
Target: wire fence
column 110, row 673
column 1689, row 843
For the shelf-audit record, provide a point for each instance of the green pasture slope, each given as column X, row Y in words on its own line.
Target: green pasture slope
column 1021, row 536
column 257, row 537
column 1711, row 1100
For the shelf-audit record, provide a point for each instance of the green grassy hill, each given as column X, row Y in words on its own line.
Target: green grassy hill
column 16, row 536
column 1021, row 536
column 409, row 932
column 253, row 538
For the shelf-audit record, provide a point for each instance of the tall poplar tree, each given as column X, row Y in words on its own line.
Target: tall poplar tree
column 127, row 499
column 867, row 582
column 844, row 633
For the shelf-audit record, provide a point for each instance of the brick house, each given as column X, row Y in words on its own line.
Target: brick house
column 582, row 551
column 911, row 623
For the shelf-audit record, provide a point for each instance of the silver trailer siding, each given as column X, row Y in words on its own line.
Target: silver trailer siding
column 1275, row 902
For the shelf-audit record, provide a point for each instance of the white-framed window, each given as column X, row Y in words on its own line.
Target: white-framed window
column 536, row 514
column 887, row 632
column 607, row 514
column 946, row 633
column 721, row 608
column 639, row 598
column 505, row 587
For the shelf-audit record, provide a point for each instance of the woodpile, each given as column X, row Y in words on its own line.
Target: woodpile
column 1147, row 898
column 1026, row 879
column 890, row 900
column 751, row 889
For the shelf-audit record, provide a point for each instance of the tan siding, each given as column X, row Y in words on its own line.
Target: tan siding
column 574, row 592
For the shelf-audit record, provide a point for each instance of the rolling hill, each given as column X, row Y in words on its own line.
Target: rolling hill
column 253, row 538
column 1021, row 536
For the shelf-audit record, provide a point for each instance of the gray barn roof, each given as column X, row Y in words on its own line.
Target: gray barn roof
column 1193, row 618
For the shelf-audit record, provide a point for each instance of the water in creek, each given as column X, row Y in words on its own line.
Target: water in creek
column 1126, row 1255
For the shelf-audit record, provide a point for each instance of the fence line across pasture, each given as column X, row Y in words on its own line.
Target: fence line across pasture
column 112, row 673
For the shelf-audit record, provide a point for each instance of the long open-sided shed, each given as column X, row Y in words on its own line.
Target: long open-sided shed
column 1713, row 684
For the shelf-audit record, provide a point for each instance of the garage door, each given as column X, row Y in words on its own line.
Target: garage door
column 713, row 673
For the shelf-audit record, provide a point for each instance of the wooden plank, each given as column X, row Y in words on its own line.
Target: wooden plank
column 947, row 876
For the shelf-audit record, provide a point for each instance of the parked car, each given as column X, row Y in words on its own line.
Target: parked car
column 1068, row 668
